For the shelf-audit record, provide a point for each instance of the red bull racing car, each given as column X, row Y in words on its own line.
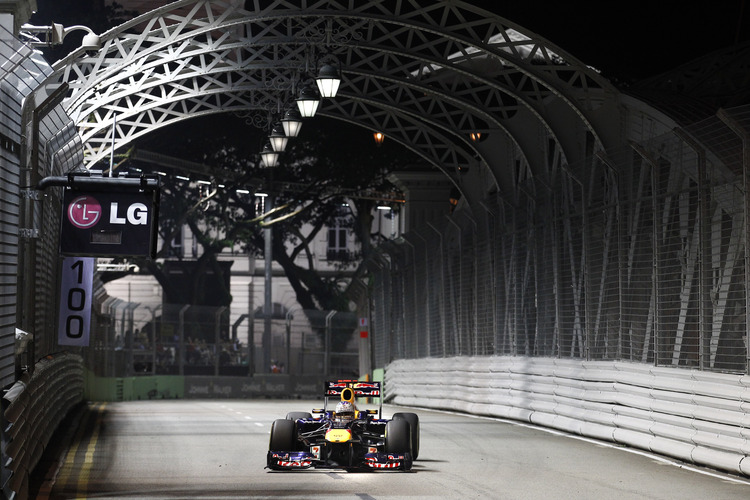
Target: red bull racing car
column 345, row 437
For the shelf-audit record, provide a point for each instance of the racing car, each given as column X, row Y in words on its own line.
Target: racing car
column 345, row 437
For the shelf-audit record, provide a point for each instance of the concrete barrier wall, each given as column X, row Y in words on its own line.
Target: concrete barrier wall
column 698, row 417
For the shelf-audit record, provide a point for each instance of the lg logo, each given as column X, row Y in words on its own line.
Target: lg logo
column 85, row 212
column 136, row 214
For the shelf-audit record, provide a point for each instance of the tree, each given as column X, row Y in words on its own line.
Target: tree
column 328, row 173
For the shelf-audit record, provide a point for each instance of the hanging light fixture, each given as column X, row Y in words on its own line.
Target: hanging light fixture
column 292, row 123
column 278, row 139
column 328, row 80
column 308, row 101
column 379, row 137
column 269, row 157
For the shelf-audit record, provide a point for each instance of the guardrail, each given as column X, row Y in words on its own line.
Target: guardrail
column 695, row 416
column 34, row 407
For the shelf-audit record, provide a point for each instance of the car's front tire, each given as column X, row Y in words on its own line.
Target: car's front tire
column 413, row 420
column 282, row 436
column 398, row 440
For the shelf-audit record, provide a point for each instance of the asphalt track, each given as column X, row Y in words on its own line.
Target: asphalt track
column 217, row 449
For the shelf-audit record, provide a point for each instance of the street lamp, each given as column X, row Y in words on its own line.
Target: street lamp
column 278, row 138
column 292, row 123
column 379, row 137
column 268, row 156
column 328, row 80
column 308, row 101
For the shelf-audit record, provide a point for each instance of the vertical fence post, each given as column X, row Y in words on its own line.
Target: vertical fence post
column 426, row 327
column 655, row 232
column 745, row 137
column 707, row 342
column 474, row 333
column 491, row 237
column 217, row 338
column 154, row 338
column 618, row 249
column 181, row 345
column 441, row 291
column 327, row 353
column 583, row 294
column 414, row 333
column 457, row 306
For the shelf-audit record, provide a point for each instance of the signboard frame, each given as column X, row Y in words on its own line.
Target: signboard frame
column 110, row 219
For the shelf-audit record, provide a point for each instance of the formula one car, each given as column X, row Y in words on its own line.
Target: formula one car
column 345, row 438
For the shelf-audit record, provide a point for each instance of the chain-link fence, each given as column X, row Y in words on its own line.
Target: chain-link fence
column 634, row 255
column 133, row 339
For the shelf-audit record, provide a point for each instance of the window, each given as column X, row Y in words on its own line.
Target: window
column 337, row 242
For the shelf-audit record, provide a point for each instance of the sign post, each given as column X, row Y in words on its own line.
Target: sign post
column 101, row 217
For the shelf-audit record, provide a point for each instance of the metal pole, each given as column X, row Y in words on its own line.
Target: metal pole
column 492, row 237
column 426, row 325
column 268, row 303
column 441, row 290
column 217, row 338
column 745, row 137
column 289, row 318
column 112, row 150
column 655, row 233
column 327, row 353
column 415, row 332
column 706, row 340
column 458, row 312
column 181, row 346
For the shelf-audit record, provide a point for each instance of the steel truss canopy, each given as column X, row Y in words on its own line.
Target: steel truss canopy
column 428, row 74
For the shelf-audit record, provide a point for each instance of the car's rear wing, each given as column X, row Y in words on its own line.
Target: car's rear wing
column 360, row 389
column 337, row 389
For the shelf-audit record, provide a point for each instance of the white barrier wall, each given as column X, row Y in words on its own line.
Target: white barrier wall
column 695, row 416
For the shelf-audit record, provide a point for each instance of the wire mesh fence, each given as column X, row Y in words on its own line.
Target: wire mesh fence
column 132, row 339
column 635, row 255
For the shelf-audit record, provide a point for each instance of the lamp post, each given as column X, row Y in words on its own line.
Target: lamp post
column 268, row 288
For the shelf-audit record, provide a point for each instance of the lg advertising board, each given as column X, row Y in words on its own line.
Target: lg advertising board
column 103, row 223
column 109, row 224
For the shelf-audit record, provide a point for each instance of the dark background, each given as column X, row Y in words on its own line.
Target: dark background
column 626, row 41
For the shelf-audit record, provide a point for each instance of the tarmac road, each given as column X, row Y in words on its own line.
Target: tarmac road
column 217, row 449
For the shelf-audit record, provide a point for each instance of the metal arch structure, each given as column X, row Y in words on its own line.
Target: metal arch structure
column 427, row 74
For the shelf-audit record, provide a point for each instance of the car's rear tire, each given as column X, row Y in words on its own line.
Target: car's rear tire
column 296, row 415
column 282, row 436
column 413, row 420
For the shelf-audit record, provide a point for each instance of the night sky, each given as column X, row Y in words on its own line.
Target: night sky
column 632, row 40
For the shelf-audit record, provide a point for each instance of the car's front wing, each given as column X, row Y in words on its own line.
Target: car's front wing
column 282, row 460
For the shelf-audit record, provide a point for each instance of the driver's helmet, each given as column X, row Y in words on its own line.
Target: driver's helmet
column 344, row 411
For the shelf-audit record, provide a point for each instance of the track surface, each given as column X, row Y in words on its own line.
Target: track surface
column 217, row 449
